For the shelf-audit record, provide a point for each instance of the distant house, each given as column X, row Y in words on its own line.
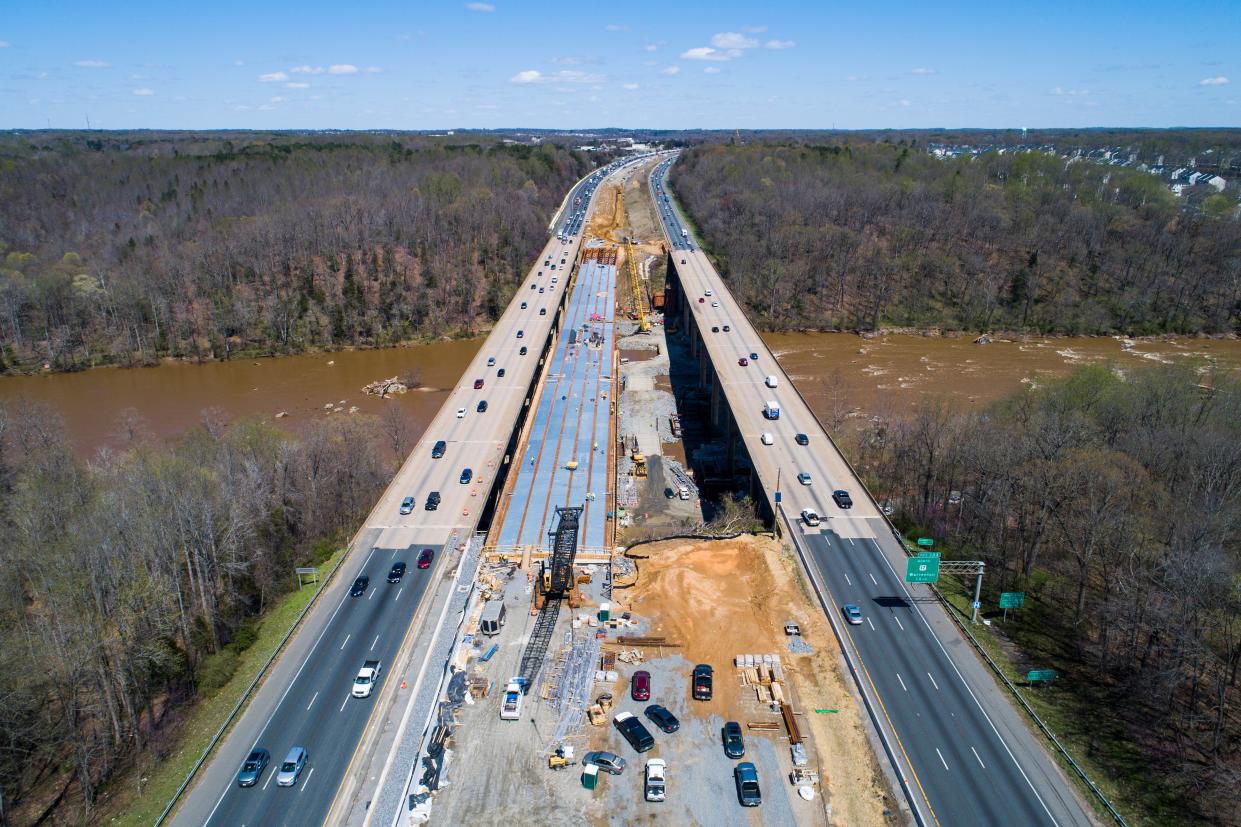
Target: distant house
column 1178, row 189
column 1214, row 181
column 1194, row 178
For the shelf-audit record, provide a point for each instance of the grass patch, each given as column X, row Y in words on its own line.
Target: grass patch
column 1082, row 716
column 140, row 795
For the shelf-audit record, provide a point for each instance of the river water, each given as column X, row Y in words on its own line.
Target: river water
column 885, row 375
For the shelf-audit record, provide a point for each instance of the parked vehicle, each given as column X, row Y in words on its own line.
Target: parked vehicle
column 656, row 786
column 701, row 682
column 510, row 705
column 368, row 675
column 640, row 686
column 609, row 762
column 746, row 777
column 252, row 768
column 638, row 736
column 292, row 766
column 734, row 744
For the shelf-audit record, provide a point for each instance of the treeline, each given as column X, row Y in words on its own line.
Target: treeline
column 866, row 235
column 128, row 585
column 128, row 248
column 1115, row 505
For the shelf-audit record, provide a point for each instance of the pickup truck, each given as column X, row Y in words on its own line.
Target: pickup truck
column 656, row 783
column 510, row 706
column 367, row 677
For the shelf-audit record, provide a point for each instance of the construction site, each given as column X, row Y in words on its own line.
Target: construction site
column 571, row 602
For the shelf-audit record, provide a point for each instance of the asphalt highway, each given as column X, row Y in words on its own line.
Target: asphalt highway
column 961, row 768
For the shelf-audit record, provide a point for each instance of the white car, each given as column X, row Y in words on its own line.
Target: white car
column 715, row 304
column 766, row 438
column 810, row 517
column 460, row 413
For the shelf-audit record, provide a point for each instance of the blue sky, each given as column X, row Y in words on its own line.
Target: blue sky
column 435, row 65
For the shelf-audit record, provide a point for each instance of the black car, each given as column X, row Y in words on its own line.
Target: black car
column 702, row 681
column 802, row 439
column 433, row 500
column 359, row 586
column 522, row 352
column 727, row 328
column 734, row 746
column 500, row 373
column 438, row 450
column 842, row 498
column 252, row 768
column 662, row 718
column 542, row 311
column 715, row 328
column 397, row 572
column 466, row 476
column 746, row 777
column 482, row 406
column 523, row 305
column 521, row 333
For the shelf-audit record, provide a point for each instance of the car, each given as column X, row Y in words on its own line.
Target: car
column 542, row 311
column 708, row 293
column 753, row 357
column 540, row 289
column 638, row 736
column 701, row 300
column 433, row 501
column 523, row 305
column 640, row 686
column 802, row 439
column 810, row 517
column 656, row 782
column 727, row 328
column 520, row 334
column 425, row 557
column 491, row 360
column 715, row 328
column 551, row 267
column 407, row 505
column 743, row 361
column 609, row 762
column 359, row 586
column 478, row 384
column 460, row 413
column 522, row 352
column 396, row 572
column 500, row 373
column 852, row 614
column 438, row 450
column 715, row 304
column 662, row 718
column 766, row 438
column 746, row 777
column 701, row 682
column 734, row 744
column 467, row 474
column 682, row 260
column 482, row 406
column 533, row 285
column 252, row 768
column 842, row 498
column 803, row 478
column 292, row 767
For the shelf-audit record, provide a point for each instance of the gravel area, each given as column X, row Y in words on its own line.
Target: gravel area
column 799, row 647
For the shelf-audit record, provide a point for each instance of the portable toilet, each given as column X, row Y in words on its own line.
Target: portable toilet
column 590, row 777
column 605, row 611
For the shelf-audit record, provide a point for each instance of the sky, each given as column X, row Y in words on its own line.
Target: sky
column 813, row 64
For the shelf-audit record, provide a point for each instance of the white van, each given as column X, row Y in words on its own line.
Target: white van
column 771, row 381
column 766, row 438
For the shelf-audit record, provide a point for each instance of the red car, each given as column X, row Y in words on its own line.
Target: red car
column 701, row 300
column 478, row 383
column 743, row 361
column 640, row 686
column 425, row 558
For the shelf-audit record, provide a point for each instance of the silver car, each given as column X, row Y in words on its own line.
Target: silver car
column 292, row 766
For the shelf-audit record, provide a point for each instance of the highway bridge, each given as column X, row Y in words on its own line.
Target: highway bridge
column 305, row 699
column 957, row 747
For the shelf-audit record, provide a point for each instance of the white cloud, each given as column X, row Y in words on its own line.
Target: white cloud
column 616, row 27
column 779, row 44
column 92, row 64
column 630, row 86
column 486, row 8
column 671, row 70
column 650, row 47
column 854, row 78
column 144, row 92
column 297, row 86
column 4, row 44
column 707, row 53
column 374, row 70
column 342, row 69
column 922, row 71
column 733, row 40
column 273, row 77
column 563, row 76
column 276, row 99
column 904, row 102
column 1219, row 80
column 307, row 70
column 1070, row 92
column 528, row 76
column 712, row 70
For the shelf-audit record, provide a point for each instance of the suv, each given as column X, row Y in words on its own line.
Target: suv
column 438, row 450
column 292, row 767
column 701, row 682
column 467, row 475
column 747, row 784
column 734, row 745
column 482, row 406
column 638, row 736
column 433, row 501
column 842, row 498
column 252, row 768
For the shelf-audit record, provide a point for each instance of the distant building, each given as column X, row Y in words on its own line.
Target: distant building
column 1214, row 181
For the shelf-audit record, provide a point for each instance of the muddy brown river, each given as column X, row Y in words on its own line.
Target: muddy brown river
column 887, row 374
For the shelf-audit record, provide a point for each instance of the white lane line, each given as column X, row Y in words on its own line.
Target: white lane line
column 373, row 642
column 346, row 640
column 903, row 686
column 847, row 580
column 872, row 578
column 898, row 622
column 342, row 704
column 312, row 702
column 980, row 763
column 372, row 594
column 941, row 758
column 871, row 625
column 933, row 683
column 306, row 783
column 271, row 775
column 398, row 593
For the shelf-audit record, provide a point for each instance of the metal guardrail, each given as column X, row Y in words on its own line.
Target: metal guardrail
column 245, row 697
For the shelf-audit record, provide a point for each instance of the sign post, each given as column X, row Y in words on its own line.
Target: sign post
column 1040, row 676
column 1011, row 600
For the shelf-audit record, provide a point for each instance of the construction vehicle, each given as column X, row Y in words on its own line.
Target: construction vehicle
column 631, row 259
column 561, row 758
column 639, row 464
column 554, row 584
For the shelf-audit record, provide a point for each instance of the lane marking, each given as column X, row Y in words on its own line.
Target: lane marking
column 372, row 594
column 398, row 593
column 342, row 704
column 898, row 622
column 980, row 763
column 847, row 580
column 871, row 625
column 373, row 642
column 903, row 686
column 346, row 640
column 306, row 783
column 941, row 758
column 312, row 702
column 270, row 776
column 933, row 683
column 872, row 578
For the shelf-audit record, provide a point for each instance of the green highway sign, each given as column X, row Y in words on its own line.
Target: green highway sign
column 822, row 711
column 934, row 554
column 1012, row 600
column 925, row 542
column 1041, row 675
column 922, row 569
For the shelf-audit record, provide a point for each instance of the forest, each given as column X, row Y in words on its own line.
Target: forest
column 1114, row 503
column 127, row 248
column 865, row 235
column 133, row 583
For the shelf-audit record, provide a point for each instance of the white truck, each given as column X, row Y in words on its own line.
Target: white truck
column 771, row 409
column 656, row 779
column 510, row 705
column 367, row 677
column 684, row 233
column 771, row 381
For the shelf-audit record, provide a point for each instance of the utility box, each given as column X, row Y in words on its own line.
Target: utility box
column 493, row 618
